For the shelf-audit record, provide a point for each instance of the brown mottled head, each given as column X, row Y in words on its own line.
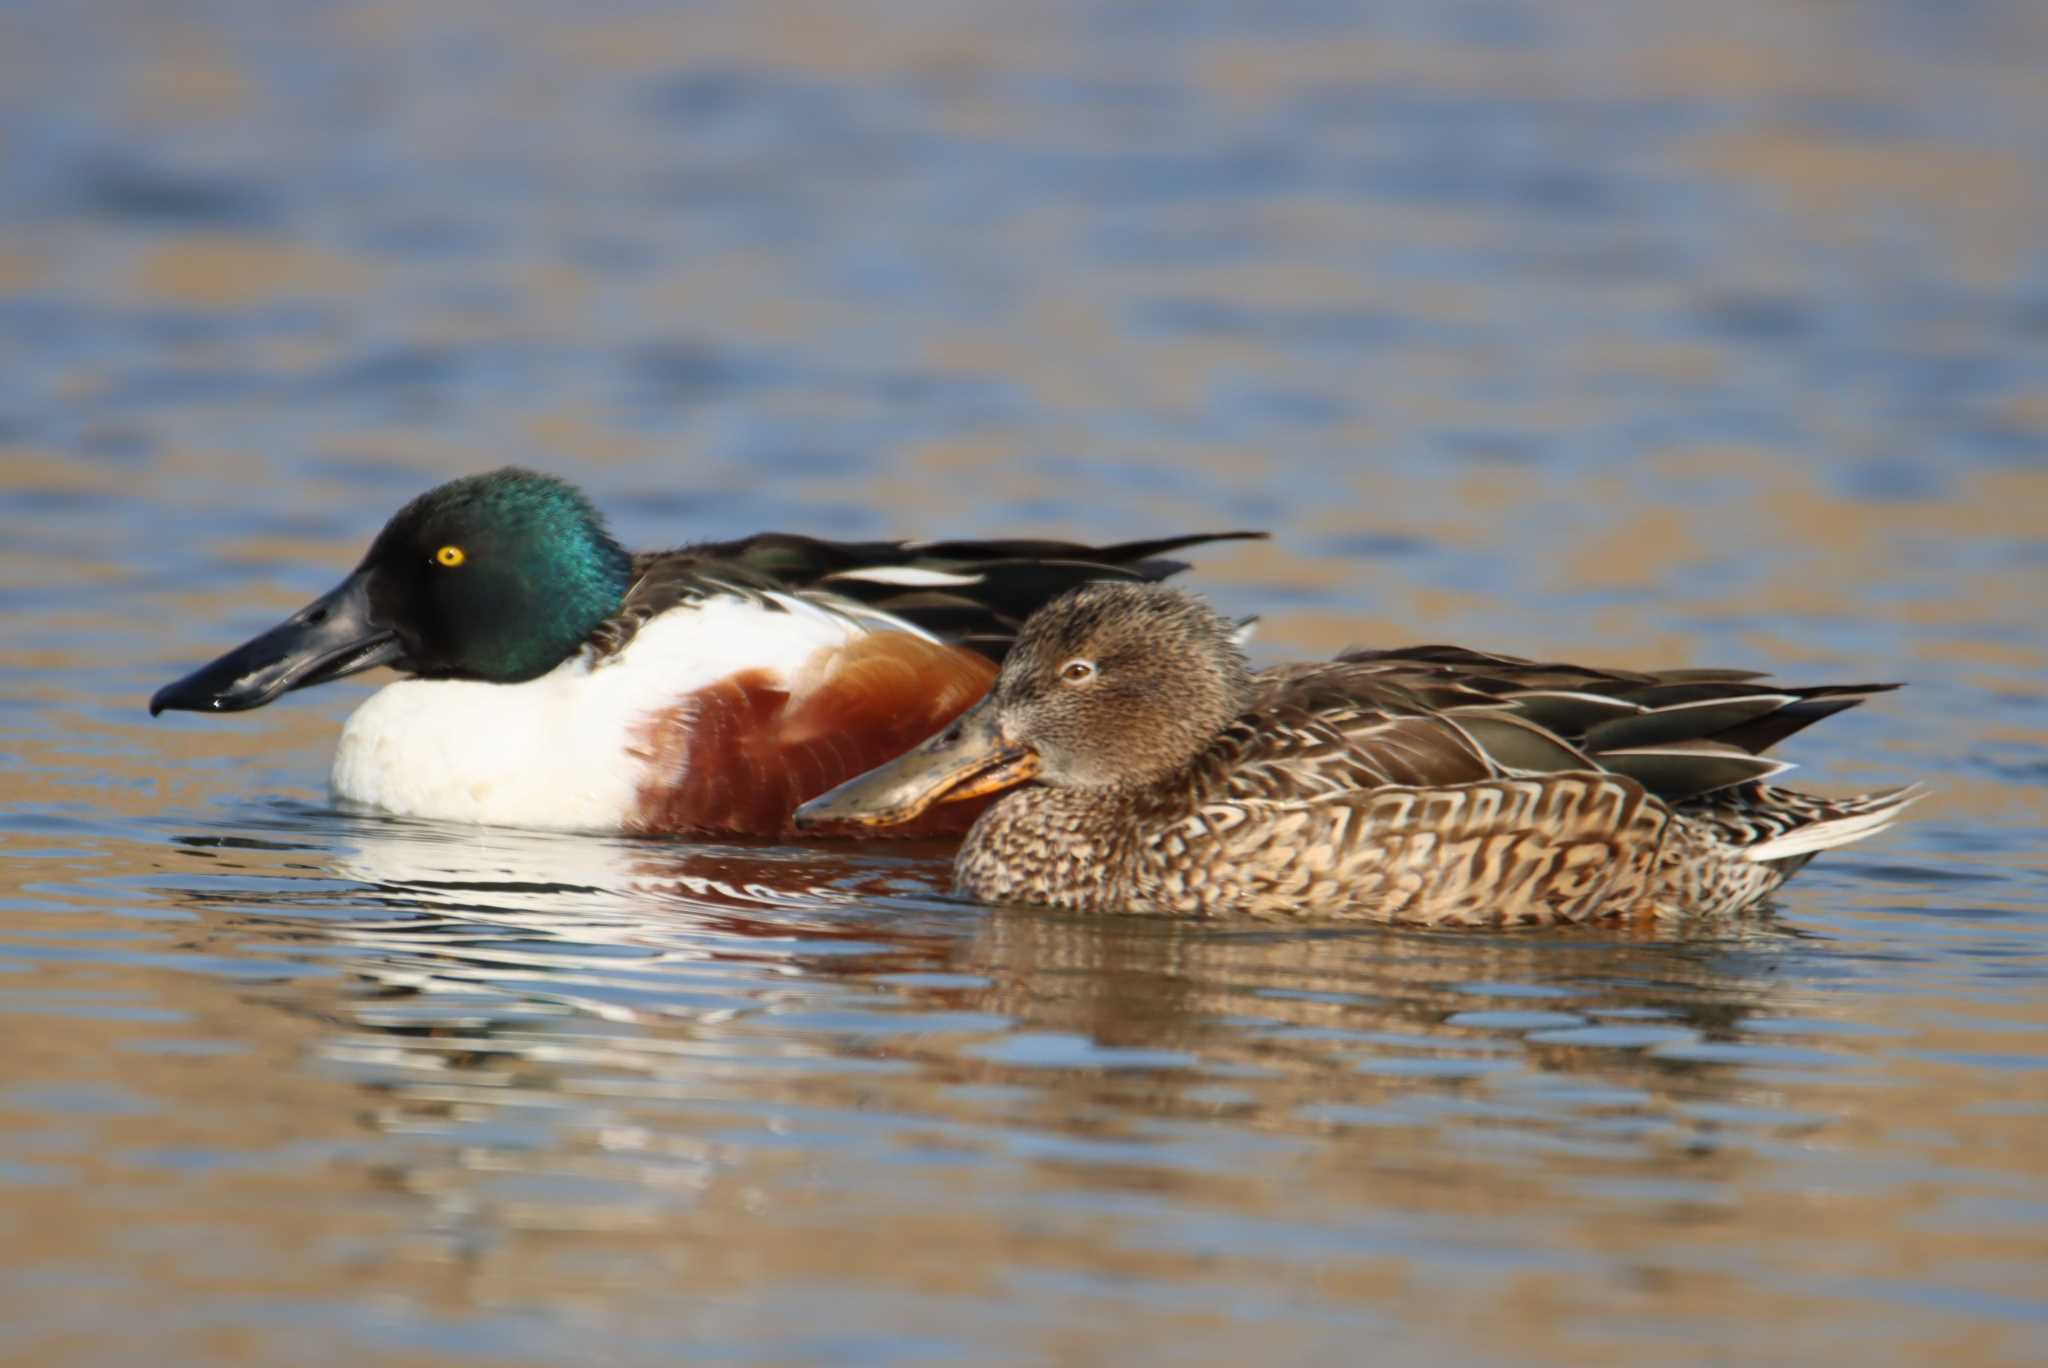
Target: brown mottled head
column 1117, row 684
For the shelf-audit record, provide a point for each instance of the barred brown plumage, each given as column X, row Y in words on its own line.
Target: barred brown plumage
column 1433, row 785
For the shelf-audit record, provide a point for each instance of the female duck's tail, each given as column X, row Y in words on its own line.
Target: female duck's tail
column 1778, row 826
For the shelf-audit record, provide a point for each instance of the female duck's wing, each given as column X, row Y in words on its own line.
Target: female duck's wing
column 1614, row 711
column 1315, row 731
column 1367, row 722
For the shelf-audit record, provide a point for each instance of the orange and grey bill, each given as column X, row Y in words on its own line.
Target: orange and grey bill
column 966, row 760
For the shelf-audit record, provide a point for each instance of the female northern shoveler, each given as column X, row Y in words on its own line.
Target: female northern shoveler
column 564, row 682
column 1435, row 785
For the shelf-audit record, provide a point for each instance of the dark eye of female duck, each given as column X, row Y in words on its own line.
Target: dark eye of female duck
column 498, row 577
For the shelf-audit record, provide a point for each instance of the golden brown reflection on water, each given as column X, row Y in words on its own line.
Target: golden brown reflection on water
column 1659, row 337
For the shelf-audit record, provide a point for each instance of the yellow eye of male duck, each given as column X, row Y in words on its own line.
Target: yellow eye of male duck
column 450, row 556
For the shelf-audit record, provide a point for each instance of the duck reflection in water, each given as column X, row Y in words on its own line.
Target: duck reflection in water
column 639, row 997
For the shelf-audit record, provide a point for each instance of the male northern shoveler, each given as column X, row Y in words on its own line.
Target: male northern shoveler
column 563, row 682
column 1434, row 785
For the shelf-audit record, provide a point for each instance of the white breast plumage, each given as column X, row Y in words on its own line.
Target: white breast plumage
column 557, row 752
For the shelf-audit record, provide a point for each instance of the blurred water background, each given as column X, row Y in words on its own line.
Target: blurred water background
column 1647, row 333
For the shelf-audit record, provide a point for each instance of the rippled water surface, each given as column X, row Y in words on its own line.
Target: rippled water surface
column 1644, row 334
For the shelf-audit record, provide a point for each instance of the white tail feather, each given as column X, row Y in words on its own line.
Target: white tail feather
column 1837, row 831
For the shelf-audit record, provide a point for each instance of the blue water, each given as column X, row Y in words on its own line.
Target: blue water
column 1647, row 335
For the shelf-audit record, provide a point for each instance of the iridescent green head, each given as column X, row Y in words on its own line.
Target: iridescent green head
column 498, row 577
